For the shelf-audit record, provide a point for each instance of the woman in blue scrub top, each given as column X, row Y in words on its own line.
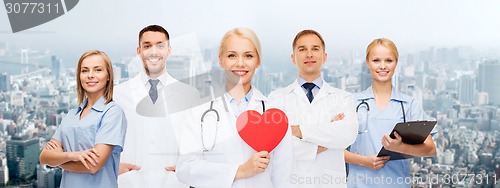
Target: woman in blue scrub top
column 380, row 108
column 89, row 140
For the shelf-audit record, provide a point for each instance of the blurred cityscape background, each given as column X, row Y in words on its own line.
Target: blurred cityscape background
column 450, row 61
column 457, row 86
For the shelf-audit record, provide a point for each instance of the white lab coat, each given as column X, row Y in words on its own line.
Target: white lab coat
column 150, row 141
column 326, row 169
column 217, row 168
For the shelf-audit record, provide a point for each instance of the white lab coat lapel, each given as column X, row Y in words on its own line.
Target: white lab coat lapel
column 323, row 92
column 255, row 102
column 169, row 88
column 137, row 88
column 298, row 91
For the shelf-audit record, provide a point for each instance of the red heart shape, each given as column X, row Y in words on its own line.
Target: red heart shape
column 262, row 132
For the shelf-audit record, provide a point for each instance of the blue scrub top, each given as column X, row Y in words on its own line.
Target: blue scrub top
column 105, row 124
column 395, row 173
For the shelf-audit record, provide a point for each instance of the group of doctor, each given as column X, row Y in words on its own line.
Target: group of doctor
column 182, row 150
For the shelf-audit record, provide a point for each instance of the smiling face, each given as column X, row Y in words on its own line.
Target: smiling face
column 240, row 59
column 154, row 50
column 309, row 56
column 382, row 63
column 94, row 75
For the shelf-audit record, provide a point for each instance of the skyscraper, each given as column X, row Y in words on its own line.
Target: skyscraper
column 488, row 76
column 22, row 157
column 4, row 171
column 466, row 89
column 365, row 77
column 123, row 69
column 4, row 82
column 57, row 67
column 48, row 177
column 481, row 98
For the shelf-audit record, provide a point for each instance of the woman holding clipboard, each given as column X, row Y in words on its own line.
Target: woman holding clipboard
column 379, row 108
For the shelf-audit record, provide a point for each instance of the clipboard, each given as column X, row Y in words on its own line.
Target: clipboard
column 412, row 132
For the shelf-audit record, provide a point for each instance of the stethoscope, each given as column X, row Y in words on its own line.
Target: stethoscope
column 212, row 110
column 364, row 103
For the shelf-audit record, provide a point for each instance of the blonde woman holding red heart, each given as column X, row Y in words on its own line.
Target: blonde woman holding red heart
column 212, row 153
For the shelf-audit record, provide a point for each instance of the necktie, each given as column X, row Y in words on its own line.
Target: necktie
column 309, row 87
column 153, row 91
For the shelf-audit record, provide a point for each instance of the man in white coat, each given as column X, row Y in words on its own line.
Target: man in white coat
column 151, row 148
column 322, row 118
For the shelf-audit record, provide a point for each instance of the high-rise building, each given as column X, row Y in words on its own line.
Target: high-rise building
column 449, row 157
column 22, row 157
column 365, row 77
column 446, row 56
column 179, row 67
column 57, row 67
column 482, row 98
column 117, row 73
column 48, row 177
column 261, row 81
column 488, row 76
column 466, row 89
column 4, row 171
column 4, row 82
column 123, row 70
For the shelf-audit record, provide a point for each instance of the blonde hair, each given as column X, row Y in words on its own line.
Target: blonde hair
column 385, row 43
column 108, row 91
column 245, row 33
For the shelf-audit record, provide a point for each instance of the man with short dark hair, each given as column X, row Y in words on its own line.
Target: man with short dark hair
column 150, row 152
column 322, row 118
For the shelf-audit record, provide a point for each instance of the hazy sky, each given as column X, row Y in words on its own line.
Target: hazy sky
column 113, row 25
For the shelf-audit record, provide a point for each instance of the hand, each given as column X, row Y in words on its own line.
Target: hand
column 127, row 167
column 170, row 168
column 91, row 155
column 51, row 145
column 321, row 149
column 338, row 117
column 392, row 144
column 296, row 131
column 256, row 164
column 375, row 163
